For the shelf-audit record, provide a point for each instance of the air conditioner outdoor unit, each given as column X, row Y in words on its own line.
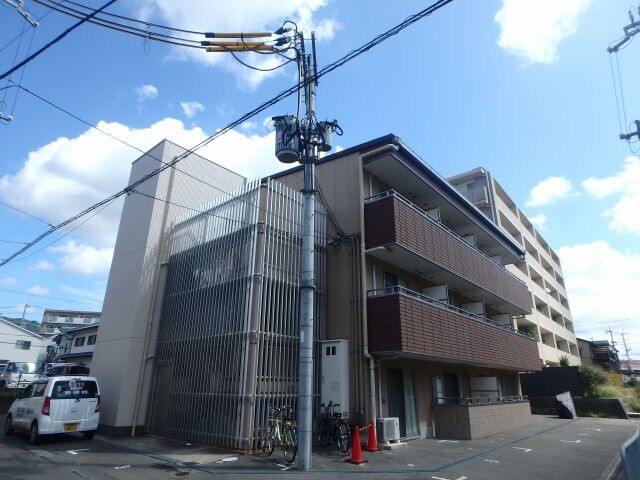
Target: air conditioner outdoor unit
column 388, row 429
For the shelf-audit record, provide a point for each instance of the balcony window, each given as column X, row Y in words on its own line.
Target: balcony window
column 91, row 340
column 79, row 342
column 23, row 345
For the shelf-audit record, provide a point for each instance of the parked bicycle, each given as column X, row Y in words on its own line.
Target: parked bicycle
column 283, row 432
column 333, row 428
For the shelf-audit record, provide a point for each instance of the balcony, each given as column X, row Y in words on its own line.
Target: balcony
column 406, row 323
column 400, row 233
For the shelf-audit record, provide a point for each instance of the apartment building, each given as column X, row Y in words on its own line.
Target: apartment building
column 56, row 321
column 77, row 345
column 410, row 278
column 550, row 322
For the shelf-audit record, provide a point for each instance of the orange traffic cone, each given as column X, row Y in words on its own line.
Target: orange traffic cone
column 372, row 442
column 356, row 449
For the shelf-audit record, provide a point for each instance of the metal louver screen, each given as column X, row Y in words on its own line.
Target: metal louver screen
column 229, row 323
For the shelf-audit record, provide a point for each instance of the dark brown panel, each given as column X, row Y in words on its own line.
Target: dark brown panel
column 390, row 220
column 400, row 323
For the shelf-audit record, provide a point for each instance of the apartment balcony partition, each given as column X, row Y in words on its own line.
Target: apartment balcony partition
column 392, row 223
column 406, row 323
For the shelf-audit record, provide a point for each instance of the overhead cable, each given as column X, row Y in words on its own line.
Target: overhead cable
column 274, row 100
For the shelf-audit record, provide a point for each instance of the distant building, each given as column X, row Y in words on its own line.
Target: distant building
column 600, row 353
column 77, row 345
column 630, row 367
column 56, row 321
column 18, row 344
column 550, row 321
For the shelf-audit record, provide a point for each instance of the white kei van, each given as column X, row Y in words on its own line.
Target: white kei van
column 56, row 405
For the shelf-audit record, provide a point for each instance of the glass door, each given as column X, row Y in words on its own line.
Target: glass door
column 402, row 401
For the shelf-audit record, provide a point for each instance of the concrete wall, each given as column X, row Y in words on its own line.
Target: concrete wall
column 10, row 334
column 130, row 303
column 462, row 422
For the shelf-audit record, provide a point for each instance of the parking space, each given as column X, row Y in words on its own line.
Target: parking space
column 550, row 448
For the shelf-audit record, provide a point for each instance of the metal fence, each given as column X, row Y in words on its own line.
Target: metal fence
column 630, row 457
column 229, row 324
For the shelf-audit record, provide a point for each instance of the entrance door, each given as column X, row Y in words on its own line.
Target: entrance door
column 402, row 400
column 161, row 399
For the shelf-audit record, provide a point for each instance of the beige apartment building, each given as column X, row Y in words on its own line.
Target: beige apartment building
column 550, row 321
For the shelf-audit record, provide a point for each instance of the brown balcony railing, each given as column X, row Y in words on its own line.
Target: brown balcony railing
column 392, row 219
column 402, row 321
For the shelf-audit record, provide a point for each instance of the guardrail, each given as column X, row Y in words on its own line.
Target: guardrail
column 393, row 193
column 630, row 457
column 397, row 289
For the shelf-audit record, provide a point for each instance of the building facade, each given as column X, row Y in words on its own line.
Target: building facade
column 600, row 353
column 77, row 345
column 411, row 279
column 18, row 344
column 56, row 321
column 550, row 321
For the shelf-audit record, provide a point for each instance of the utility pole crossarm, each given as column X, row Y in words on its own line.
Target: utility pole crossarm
column 19, row 7
column 630, row 135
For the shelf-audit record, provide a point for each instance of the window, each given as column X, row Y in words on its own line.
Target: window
column 79, row 342
column 28, row 391
column 391, row 280
column 68, row 319
column 23, row 345
column 91, row 340
column 87, row 320
column 40, row 387
column 75, row 389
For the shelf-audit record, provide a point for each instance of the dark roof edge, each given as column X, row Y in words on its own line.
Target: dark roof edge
column 418, row 161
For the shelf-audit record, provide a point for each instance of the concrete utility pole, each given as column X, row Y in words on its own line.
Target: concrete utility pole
column 297, row 140
column 629, row 32
column 626, row 350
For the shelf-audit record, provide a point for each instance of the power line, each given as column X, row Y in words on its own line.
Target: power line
column 55, row 40
column 25, row 213
column 274, row 100
column 44, row 296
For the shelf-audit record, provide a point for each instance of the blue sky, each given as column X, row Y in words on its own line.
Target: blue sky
column 521, row 87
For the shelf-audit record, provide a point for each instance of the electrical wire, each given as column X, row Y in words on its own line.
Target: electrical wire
column 260, row 108
column 25, row 213
column 185, row 42
column 11, row 241
column 55, row 40
column 17, row 37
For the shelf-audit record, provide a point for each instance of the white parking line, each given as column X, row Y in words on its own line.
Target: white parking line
column 570, row 441
column 75, row 452
column 491, row 461
column 448, row 441
column 584, row 434
column 520, row 448
column 591, row 428
column 441, row 478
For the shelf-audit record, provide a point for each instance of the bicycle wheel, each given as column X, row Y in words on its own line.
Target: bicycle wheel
column 290, row 442
column 342, row 432
column 272, row 439
column 324, row 433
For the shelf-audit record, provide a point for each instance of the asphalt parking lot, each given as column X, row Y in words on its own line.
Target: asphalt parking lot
column 549, row 449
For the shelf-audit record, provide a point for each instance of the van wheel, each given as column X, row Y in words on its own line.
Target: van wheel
column 8, row 425
column 34, row 436
column 89, row 435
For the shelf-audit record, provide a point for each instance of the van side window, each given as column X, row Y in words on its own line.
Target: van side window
column 40, row 388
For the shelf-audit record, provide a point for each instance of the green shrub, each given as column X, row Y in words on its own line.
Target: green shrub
column 564, row 361
column 634, row 405
column 632, row 383
column 592, row 379
column 605, row 391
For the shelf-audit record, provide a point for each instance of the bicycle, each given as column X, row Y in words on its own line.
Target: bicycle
column 333, row 427
column 283, row 433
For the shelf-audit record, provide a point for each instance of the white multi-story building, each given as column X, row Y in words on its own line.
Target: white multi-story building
column 77, row 345
column 56, row 321
column 18, row 344
column 550, row 320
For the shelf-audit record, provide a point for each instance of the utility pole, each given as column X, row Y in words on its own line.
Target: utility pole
column 626, row 350
column 24, row 311
column 613, row 347
column 297, row 140
column 19, row 7
column 629, row 32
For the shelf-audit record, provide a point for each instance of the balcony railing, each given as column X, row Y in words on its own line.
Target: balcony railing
column 440, row 304
column 393, row 193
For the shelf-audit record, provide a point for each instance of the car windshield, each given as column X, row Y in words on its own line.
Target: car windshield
column 75, row 389
column 22, row 367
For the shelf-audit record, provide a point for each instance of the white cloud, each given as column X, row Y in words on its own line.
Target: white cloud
column 84, row 259
column 600, row 282
column 533, row 29
column 191, row 108
column 539, row 221
column 146, row 92
column 253, row 15
column 69, row 174
column 37, row 290
column 43, row 265
column 625, row 214
column 8, row 281
column 548, row 191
